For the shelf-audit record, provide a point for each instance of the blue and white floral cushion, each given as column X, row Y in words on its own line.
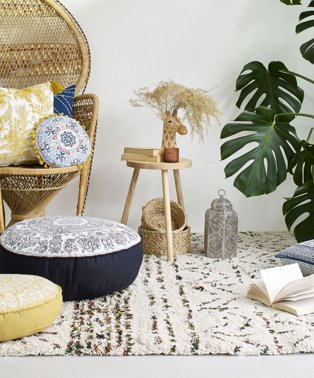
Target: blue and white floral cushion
column 60, row 141
column 302, row 253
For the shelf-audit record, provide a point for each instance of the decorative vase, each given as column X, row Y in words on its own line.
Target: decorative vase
column 221, row 229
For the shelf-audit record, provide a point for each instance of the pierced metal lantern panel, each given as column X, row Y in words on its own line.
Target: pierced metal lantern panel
column 221, row 229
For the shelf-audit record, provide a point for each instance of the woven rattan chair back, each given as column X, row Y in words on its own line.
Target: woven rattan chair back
column 40, row 41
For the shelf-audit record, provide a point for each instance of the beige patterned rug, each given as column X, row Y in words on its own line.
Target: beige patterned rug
column 195, row 307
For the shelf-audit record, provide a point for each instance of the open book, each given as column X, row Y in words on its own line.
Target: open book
column 284, row 288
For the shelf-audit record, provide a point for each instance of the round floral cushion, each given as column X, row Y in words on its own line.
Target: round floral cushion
column 88, row 257
column 60, row 141
column 28, row 304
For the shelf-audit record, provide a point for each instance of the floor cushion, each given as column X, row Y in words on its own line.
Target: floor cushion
column 28, row 304
column 87, row 257
column 302, row 253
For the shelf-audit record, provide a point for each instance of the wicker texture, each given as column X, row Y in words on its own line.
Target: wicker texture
column 153, row 229
column 153, row 216
column 30, row 199
column 41, row 41
column 85, row 110
column 154, row 242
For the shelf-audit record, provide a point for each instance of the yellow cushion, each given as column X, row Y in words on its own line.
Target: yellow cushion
column 28, row 304
column 56, row 87
column 20, row 109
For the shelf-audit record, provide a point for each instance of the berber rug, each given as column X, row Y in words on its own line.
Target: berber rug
column 197, row 306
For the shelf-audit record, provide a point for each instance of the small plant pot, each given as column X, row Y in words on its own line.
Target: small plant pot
column 171, row 155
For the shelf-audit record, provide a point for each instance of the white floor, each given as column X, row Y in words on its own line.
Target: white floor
column 162, row 367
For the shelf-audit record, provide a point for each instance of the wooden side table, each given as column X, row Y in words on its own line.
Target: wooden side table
column 164, row 168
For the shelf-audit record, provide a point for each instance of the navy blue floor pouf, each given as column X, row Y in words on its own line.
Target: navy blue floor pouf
column 87, row 257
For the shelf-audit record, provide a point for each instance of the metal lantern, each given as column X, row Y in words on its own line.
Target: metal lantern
column 221, row 229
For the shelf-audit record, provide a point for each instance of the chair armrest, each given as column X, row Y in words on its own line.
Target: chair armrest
column 85, row 110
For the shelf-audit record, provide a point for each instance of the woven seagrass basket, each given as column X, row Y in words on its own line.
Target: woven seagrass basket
column 153, row 216
column 154, row 242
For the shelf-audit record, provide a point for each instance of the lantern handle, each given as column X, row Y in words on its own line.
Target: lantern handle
column 221, row 193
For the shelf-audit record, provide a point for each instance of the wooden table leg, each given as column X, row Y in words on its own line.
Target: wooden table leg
column 177, row 181
column 128, row 202
column 165, row 187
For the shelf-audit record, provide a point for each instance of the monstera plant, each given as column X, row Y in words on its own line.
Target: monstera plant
column 271, row 99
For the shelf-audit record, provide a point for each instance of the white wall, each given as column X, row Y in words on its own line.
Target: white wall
column 198, row 43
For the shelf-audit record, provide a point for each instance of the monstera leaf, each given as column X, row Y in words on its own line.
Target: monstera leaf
column 307, row 49
column 274, row 142
column 294, row 209
column 302, row 164
column 260, row 86
column 291, row 2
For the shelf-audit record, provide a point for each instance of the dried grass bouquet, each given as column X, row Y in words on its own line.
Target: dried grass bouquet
column 168, row 98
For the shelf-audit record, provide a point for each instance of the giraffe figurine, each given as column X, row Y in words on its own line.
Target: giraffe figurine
column 172, row 125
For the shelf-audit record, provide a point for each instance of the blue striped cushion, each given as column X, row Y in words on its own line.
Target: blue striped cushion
column 63, row 101
column 302, row 253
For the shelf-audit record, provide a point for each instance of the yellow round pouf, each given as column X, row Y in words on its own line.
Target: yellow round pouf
column 28, row 304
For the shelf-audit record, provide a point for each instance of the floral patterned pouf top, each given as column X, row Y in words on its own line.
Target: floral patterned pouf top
column 60, row 141
column 18, row 291
column 68, row 237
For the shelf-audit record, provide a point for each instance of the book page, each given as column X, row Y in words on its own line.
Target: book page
column 302, row 307
column 258, row 292
column 296, row 288
column 260, row 285
column 276, row 278
column 294, row 298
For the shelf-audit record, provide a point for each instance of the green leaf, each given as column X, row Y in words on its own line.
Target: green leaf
column 302, row 164
column 296, row 207
column 307, row 49
column 275, row 142
column 269, row 87
column 291, row 2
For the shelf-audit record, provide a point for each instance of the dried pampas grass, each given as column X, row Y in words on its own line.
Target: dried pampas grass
column 168, row 97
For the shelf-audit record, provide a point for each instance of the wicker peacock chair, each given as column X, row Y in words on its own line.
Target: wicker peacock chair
column 40, row 41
